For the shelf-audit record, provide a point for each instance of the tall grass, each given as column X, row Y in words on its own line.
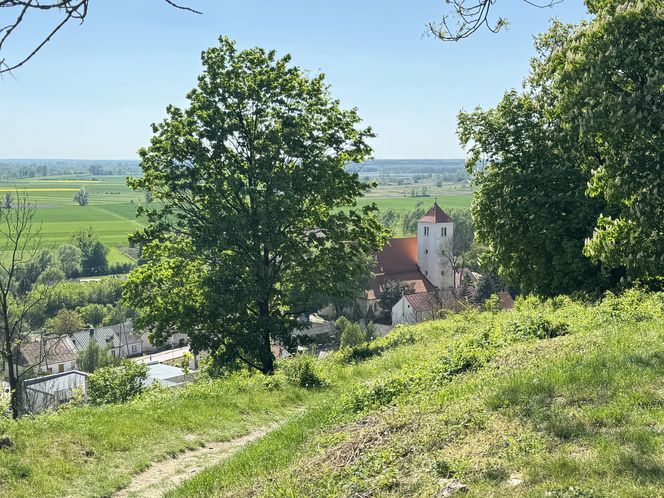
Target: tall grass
column 558, row 398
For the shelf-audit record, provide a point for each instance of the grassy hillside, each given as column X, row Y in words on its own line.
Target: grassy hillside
column 556, row 398
column 496, row 403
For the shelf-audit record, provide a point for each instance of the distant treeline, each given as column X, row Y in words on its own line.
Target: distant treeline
column 26, row 168
column 410, row 166
column 16, row 169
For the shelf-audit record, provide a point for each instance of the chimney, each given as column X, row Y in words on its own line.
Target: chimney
column 92, row 332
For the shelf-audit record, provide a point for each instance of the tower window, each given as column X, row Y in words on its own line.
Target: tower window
column 443, row 231
column 426, row 251
column 426, row 230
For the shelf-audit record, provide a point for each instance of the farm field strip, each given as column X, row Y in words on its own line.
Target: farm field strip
column 112, row 205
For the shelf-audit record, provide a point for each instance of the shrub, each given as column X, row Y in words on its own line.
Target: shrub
column 120, row 268
column 633, row 305
column 536, row 326
column 93, row 357
column 117, row 384
column 302, row 371
column 353, row 335
column 368, row 349
column 376, row 394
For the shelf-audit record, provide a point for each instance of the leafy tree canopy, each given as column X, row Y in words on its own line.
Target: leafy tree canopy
column 247, row 231
column 569, row 171
column 606, row 80
column 64, row 322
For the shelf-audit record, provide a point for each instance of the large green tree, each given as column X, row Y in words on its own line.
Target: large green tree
column 605, row 84
column 530, row 209
column 569, row 171
column 247, row 230
column 94, row 254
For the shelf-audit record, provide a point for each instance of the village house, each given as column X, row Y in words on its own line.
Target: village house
column 166, row 375
column 47, row 355
column 177, row 340
column 414, row 308
column 50, row 391
column 118, row 339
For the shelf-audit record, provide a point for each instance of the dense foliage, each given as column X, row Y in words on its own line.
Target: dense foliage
column 78, row 296
column 116, row 384
column 246, row 231
column 93, row 357
column 568, row 172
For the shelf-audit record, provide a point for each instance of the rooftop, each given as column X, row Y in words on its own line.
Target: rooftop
column 435, row 215
column 48, row 350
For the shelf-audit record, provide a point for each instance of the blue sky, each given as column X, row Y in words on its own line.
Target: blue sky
column 94, row 90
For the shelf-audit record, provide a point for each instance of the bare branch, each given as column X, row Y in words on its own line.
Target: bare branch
column 70, row 9
column 470, row 17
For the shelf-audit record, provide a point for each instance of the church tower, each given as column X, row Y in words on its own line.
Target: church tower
column 435, row 235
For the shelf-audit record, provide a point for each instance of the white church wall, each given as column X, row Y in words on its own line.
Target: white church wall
column 432, row 238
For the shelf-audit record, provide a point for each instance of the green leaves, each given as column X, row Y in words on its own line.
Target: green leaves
column 246, row 232
column 529, row 208
column 573, row 164
column 116, row 384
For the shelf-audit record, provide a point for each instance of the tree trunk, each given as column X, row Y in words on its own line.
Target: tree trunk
column 11, row 373
column 267, row 358
column 265, row 354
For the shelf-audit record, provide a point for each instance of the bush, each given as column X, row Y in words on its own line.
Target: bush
column 302, row 371
column 352, row 335
column 537, row 327
column 368, row 349
column 117, row 384
column 120, row 268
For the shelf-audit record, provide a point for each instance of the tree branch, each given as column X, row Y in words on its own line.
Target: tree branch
column 71, row 10
column 470, row 18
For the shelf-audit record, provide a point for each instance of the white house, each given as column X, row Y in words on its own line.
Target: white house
column 414, row 308
column 51, row 391
column 118, row 339
column 46, row 356
column 176, row 340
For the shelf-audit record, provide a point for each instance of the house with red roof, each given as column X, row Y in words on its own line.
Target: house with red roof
column 418, row 260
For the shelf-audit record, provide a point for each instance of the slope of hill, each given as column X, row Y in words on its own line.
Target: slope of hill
column 555, row 398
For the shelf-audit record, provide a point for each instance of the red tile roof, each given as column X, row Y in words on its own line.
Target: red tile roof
column 429, row 300
column 415, row 278
column 399, row 254
column 435, row 215
column 398, row 261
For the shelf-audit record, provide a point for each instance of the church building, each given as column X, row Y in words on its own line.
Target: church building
column 419, row 261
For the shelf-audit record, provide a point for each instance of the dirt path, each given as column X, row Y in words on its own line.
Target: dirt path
column 167, row 474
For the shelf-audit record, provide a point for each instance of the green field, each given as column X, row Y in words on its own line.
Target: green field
column 448, row 201
column 111, row 210
column 112, row 207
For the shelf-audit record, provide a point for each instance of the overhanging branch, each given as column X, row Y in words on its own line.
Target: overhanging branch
column 70, row 10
